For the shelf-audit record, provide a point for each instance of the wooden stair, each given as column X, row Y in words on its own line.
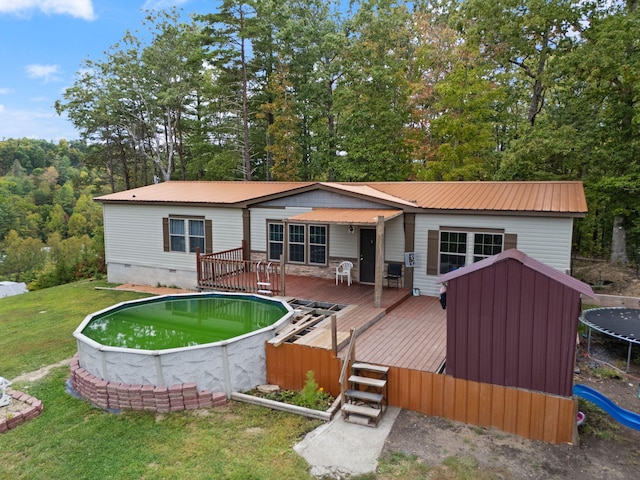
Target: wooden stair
column 366, row 399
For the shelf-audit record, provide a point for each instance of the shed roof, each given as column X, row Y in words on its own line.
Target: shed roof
column 559, row 198
column 514, row 254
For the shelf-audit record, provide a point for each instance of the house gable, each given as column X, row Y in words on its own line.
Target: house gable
column 321, row 198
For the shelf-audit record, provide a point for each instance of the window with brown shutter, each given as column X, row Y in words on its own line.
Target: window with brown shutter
column 187, row 234
column 446, row 248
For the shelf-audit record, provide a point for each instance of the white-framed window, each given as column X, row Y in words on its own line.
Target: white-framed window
column 459, row 248
column 186, row 235
column 306, row 244
column 486, row 244
column 453, row 251
column 275, row 244
column 297, row 253
column 318, row 244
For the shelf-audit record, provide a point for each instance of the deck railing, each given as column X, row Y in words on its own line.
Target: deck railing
column 228, row 270
column 348, row 359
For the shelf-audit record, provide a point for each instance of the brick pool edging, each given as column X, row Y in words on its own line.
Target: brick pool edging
column 32, row 411
column 123, row 396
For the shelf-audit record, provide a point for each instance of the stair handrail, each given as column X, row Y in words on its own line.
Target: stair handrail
column 351, row 351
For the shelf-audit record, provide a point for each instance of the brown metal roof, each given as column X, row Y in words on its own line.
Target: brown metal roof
column 370, row 191
column 562, row 198
column 346, row 216
column 526, row 260
column 203, row 192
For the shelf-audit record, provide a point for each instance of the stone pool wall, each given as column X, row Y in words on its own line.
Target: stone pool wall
column 123, row 396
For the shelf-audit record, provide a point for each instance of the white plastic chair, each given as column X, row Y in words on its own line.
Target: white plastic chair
column 344, row 271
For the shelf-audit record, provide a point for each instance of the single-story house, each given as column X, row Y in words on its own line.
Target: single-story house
column 430, row 228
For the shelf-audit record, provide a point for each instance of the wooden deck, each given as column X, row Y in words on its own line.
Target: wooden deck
column 407, row 332
column 413, row 336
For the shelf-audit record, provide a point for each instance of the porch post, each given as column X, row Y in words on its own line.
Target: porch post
column 282, row 275
column 377, row 302
column 198, row 268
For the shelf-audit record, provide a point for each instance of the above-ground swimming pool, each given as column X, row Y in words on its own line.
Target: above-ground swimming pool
column 618, row 322
column 216, row 340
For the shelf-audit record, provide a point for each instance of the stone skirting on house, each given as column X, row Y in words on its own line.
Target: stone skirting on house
column 123, row 396
column 32, row 411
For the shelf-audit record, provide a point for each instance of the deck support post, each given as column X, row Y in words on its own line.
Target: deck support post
column 334, row 334
column 377, row 302
column 282, row 275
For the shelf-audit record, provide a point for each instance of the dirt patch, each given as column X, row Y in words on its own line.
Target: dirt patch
column 434, row 439
column 132, row 287
column 606, row 448
column 607, row 279
column 15, row 407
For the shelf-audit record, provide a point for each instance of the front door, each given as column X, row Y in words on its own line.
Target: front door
column 367, row 255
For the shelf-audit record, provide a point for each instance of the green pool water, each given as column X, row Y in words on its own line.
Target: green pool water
column 181, row 322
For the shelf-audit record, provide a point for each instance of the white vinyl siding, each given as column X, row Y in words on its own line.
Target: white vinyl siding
column 394, row 240
column 548, row 240
column 343, row 245
column 134, row 237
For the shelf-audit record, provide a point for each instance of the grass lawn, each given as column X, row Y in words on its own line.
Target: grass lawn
column 36, row 328
column 71, row 439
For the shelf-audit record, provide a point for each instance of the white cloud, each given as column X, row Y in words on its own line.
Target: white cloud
column 47, row 73
column 76, row 8
column 5, row 91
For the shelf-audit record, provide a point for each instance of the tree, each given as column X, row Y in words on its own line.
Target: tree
column 523, row 37
column 285, row 145
column 7, row 215
column 229, row 32
column 57, row 221
column 372, row 100
column 22, row 256
column 65, row 197
column 606, row 69
column 133, row 101
column 455, row 101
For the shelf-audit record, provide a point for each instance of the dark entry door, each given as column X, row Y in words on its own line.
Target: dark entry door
column 367, row 255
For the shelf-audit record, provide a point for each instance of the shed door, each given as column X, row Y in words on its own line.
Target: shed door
column 367, row 255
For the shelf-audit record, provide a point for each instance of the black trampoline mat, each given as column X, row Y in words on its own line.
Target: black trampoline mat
column 624, row 322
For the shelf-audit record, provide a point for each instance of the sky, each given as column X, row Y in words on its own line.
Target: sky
column 42, row 46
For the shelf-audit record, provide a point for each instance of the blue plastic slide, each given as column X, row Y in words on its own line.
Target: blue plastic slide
column 625, row 417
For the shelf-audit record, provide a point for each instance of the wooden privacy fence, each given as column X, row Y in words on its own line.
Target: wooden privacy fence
column 228, row 270
column 533, row 415
column 288, row 364
column 526, row 413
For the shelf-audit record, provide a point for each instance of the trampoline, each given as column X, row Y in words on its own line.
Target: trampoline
column 618, row 322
